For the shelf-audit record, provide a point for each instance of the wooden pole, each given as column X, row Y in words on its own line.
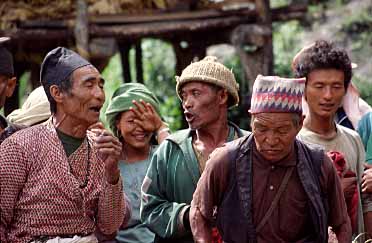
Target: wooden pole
column 139, row 64
column 81, row 30
column 264, row 17
column 124, row 49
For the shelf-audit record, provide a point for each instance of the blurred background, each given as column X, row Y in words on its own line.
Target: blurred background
column 151, row 41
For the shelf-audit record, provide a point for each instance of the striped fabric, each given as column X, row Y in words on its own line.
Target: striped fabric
column 40, row 194
column 276, row 94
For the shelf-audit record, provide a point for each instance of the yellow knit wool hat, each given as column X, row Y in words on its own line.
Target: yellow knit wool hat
column 209, row 70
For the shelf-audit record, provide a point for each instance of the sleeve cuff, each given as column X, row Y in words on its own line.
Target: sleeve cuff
column 180, row 225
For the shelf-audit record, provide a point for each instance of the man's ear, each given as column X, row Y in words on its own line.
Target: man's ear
column 10, row 86
column 301, row 123
column 57, row 95
column 224, row 96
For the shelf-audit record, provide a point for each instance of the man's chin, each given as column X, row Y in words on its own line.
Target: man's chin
column 272, row 157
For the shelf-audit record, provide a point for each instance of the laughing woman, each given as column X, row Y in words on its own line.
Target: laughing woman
column 133, row 116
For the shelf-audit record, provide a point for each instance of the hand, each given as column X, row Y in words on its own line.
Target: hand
column 367, row 181
column 109, row 150
column 367, row 166
column 349, row 186
column 147, row 118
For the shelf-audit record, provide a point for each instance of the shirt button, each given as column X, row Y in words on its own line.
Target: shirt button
column 272, row 167
column 271, row 187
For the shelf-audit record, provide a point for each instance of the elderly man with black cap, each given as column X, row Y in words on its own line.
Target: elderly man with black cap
column 206, row 88
column 7, row 78
column 269, row 186
column 60, row 180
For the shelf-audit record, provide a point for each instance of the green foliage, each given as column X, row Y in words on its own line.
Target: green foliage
column 364, row 88
column 23, row 88
column 286, row 42
column 239, row 114
column 159, row 77
column 158, row 67
column 113, row 78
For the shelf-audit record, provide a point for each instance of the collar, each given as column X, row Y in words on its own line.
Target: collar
column 182, row 135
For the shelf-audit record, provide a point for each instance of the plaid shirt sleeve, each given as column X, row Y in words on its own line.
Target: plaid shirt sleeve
column 113, row 209
column 13, row 174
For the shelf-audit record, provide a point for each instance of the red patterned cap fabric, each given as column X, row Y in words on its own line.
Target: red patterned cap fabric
column 276, row 94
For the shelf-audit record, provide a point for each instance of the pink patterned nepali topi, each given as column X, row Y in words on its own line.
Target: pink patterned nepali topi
column 276, row 94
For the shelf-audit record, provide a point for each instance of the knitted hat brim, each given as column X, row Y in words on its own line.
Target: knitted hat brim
column 209, row 80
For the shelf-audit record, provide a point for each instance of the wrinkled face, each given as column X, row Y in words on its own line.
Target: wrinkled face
column 274, row 134
column 6, row 88
column 324, row 91
column 200, row 102
column 132, row 133
column 86, row 97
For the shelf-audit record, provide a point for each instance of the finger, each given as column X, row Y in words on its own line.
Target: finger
column 138, row 122
column 367, row 166
column 145, row 106
column 110, row 152
column 107, row 143
column 106, row 139
column 98, row 125
column 139, row 106
column 136, row 112
column 94, row 132
column 151, row 108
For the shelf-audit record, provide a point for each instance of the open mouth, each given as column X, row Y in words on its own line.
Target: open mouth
column 140, row 136
column 95, row 108
column 189, row 116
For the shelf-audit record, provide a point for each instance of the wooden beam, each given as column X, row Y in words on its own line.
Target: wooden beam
column 136, row 31
column 136, row 27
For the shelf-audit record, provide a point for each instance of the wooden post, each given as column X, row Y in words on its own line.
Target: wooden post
column 264, row 17
column 249, row 41
column 139, row 64
column 81, row 30
column 254, row 45
column 124, row 49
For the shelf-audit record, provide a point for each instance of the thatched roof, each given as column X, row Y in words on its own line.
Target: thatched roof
column 13, row 12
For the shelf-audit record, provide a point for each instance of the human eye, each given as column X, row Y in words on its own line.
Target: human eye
column 283, row 130
column 337, row 86
column 261, row 129
column 89, row 84
column 318, row 85
column 196, row 93
column 101, row 84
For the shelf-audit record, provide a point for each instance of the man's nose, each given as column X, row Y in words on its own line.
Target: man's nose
column 272, row 139
column 327, row 93
column 187, row 103
column 99, row 93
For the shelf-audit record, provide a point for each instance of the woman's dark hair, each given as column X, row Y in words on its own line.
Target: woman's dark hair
column 322, row 55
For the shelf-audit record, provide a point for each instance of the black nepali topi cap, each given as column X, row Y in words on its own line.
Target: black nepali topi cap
column 58, row 64
column 6, row 59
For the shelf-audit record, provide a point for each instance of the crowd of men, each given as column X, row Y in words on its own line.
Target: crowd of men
column 296, row 177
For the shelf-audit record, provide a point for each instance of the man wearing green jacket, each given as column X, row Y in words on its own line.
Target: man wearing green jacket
column 207, row 89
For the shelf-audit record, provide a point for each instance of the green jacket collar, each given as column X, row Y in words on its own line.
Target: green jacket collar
column 181, row 135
